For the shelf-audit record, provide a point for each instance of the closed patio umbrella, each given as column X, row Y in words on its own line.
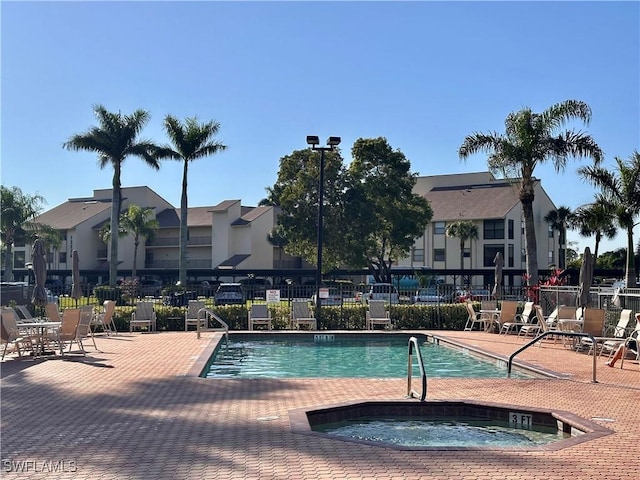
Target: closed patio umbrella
column 76, row 290
column 39, row 261
column 586, row 279
column 499, row 263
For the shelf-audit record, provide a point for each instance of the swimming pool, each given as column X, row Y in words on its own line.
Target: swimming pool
column 340, row 356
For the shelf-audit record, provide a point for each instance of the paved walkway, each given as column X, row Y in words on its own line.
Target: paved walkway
column 132, row 411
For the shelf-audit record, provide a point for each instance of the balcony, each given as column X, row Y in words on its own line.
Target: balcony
column 101, row 254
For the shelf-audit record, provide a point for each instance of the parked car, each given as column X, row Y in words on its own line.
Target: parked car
column 150, row 288
column 475, row 295
column 382, row 291
column 334, row 298
column 229, row 294
column 428, row 295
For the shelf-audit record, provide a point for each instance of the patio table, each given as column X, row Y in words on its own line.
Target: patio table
column 40, row 329
column 491, row 316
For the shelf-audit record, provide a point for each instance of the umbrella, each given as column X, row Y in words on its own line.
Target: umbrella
column 499, row 263
column 76, row 290
column 586, row 279
column 39, row 260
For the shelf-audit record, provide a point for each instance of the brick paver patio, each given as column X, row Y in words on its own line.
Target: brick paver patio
column 132, row 411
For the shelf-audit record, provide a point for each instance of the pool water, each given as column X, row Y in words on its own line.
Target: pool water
column 340, row 357
column 415, row 432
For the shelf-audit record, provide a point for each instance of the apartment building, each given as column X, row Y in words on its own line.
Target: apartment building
column 232, row 236
column 493, row 205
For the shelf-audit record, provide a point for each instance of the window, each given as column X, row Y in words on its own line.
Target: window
column 511, row 227
column 439, row 228
column 418, row 255
column 19, row 259
column 494, row 229
column 511, row 255
column 438, row 255
column 523, row 255
column 62, row 257
column 551, row 231
column 550, row 257
column 522, row 228
column 466, row 253
column 490, row 253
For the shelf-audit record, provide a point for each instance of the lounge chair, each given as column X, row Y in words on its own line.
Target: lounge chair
column 11, row 334
column 519, row 320
column 614, row 335
column 301, row 315
column 474, row 318
column 259, row 315
column 24, row 312
column 535, row 325
column 144, row 316
column 377, row 314
column 634, row 337
column 105, row 318
column 191, row 315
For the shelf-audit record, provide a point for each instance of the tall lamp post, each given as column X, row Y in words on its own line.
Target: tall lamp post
column 332, row 142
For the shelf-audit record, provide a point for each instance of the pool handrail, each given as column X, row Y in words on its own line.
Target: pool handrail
column 413, row 343
column 202, row 313
column 554, row 332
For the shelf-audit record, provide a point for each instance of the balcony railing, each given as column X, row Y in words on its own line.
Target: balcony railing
column 175, row 241
column 203, row 263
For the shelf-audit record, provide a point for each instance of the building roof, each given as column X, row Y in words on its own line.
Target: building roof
column 249, row 215
column 68, row 215
column 473, row 202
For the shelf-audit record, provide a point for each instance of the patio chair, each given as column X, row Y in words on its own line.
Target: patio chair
column 11, row 334
column 52, row 312
column 507, row 313
column 301, row 315
column 519, row 320
column 84, row 327
column 534, row 325
column 105, row 318
column 68, row 331
column 259, row 315
column 143, row 316
column 24, row 312
column 191, row 315
column 474, row 318
column 377, row 314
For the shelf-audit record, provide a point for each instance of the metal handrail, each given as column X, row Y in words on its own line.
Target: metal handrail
column 554, row 332
column 206, row 311
column 413, row 342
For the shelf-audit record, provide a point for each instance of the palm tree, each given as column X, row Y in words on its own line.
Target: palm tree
column 464, row 230
column 278, row 240
column 191, row 140
column 558, row 219
column 620, row 194
column 114, row 139
column 18, row 210
column 136, row 221
column 531, row 139
column 591, row 220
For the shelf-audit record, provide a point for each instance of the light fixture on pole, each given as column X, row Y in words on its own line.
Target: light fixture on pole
column 332, row 142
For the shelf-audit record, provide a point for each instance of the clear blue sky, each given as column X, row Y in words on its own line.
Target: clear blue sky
column 422, row 74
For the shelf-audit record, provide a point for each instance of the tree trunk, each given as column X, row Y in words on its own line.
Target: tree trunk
column 115, row 225
column 630, row 276
column 531, row 247
column 8, row 262
column 182, row 273
column 136, row 242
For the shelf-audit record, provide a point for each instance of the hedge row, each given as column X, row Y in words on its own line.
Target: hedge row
column 347, row 317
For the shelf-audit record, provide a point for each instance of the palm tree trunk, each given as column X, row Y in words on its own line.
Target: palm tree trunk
column 115, row 225
column 8, row 262
column 531, row 246
column 182, row 273
column 136, row 242
column 630, row 276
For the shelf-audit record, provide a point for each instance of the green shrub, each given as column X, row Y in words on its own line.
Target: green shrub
column 106, row 292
